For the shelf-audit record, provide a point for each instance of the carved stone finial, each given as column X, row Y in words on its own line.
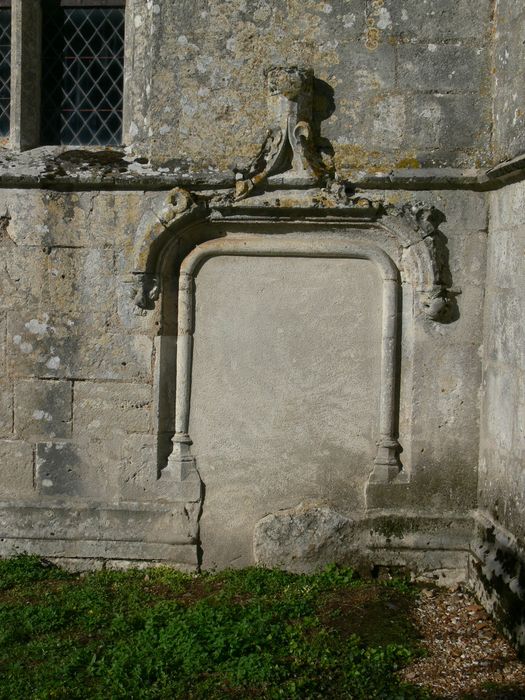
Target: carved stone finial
column 290, row 82
column 288, row 156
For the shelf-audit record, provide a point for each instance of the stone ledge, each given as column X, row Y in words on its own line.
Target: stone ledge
column 97, row 168
column 130, row 524
column 109, row 551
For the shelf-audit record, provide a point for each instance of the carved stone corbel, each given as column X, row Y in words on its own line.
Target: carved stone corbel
column 435, row 302
column 177, row 204
column 145, row 290
column 177, row 201
column 424, row 216
column 436, row 296
column 288, row 156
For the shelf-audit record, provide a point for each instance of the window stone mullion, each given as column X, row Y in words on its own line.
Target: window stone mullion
column 26, row 70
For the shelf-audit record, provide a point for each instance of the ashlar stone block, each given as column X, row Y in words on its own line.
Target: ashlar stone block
column 6, row 408
column 440, row 67
column 302, row 538
column 82, row 280
column 58, row 345
column 74, row 470
column 3, row 334
column 16, row 469
column 438, row 18
column 57, row 469
column 42, row 409
column 22, row 274
column 138, row 466
column 103, row 407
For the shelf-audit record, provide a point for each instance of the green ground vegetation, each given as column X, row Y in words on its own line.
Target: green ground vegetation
column 158, row 633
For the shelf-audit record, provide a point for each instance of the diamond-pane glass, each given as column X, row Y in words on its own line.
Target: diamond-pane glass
column 5, row 69
column 82, row 75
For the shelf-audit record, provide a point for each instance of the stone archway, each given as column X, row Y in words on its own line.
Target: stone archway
column 386, row 464
column 403, row 244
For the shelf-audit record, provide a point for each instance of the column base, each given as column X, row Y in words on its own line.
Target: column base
column 180, row 476
column 386, row 464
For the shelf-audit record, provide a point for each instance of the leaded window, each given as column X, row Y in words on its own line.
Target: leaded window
column 5, row 67
column 82, row 72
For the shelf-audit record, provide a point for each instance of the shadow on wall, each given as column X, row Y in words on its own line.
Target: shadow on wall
column 323, row 108
column 450, row 312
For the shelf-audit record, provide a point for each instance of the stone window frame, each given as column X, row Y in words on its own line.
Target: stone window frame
column 6, row 5
column 26, row 72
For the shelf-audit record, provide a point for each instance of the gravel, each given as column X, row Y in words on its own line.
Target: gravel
column 465, row 655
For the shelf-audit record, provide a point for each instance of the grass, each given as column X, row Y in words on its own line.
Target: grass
column 252, row 633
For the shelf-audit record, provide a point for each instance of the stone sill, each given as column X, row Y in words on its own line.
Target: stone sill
column 100, row 168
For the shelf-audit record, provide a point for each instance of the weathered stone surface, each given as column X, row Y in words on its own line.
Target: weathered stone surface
column 505, row 344
column 6, row 408
column 507, row 210
column 79, row 469
column 506, row 263
column 43, row 409
column 509, row 91
column 185, row 556
column 125, row 521
column 3, row 349
column 59, row 471
column 501, row 476
column 446, row 19
column 16, row 469
column 76, row 566
column 439, row 68
column 127, row 531
column 65, row 345
column 366, row 71
column 73, row 219
column 302, row 539
column 496, row 568
column 442, row 122
column 22, row 276
column 113, row 406
column 308, row 428
column 82, row 281
column 217, row 53
column 105, row 463
column 139, row 466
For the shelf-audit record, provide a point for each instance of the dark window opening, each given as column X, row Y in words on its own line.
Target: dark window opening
column 82, row 72
column 5, row 67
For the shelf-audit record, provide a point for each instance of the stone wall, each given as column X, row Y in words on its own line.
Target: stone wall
column 285, row 392
column 285, row 381
column 277, row 360
column 399, row 84
column 77, row 399
column 499, row 558
column 76, row 362
column 509, row 91
column 498, row 555
column 503, row 417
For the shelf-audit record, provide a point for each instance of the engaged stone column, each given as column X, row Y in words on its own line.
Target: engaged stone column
column 181, row 464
